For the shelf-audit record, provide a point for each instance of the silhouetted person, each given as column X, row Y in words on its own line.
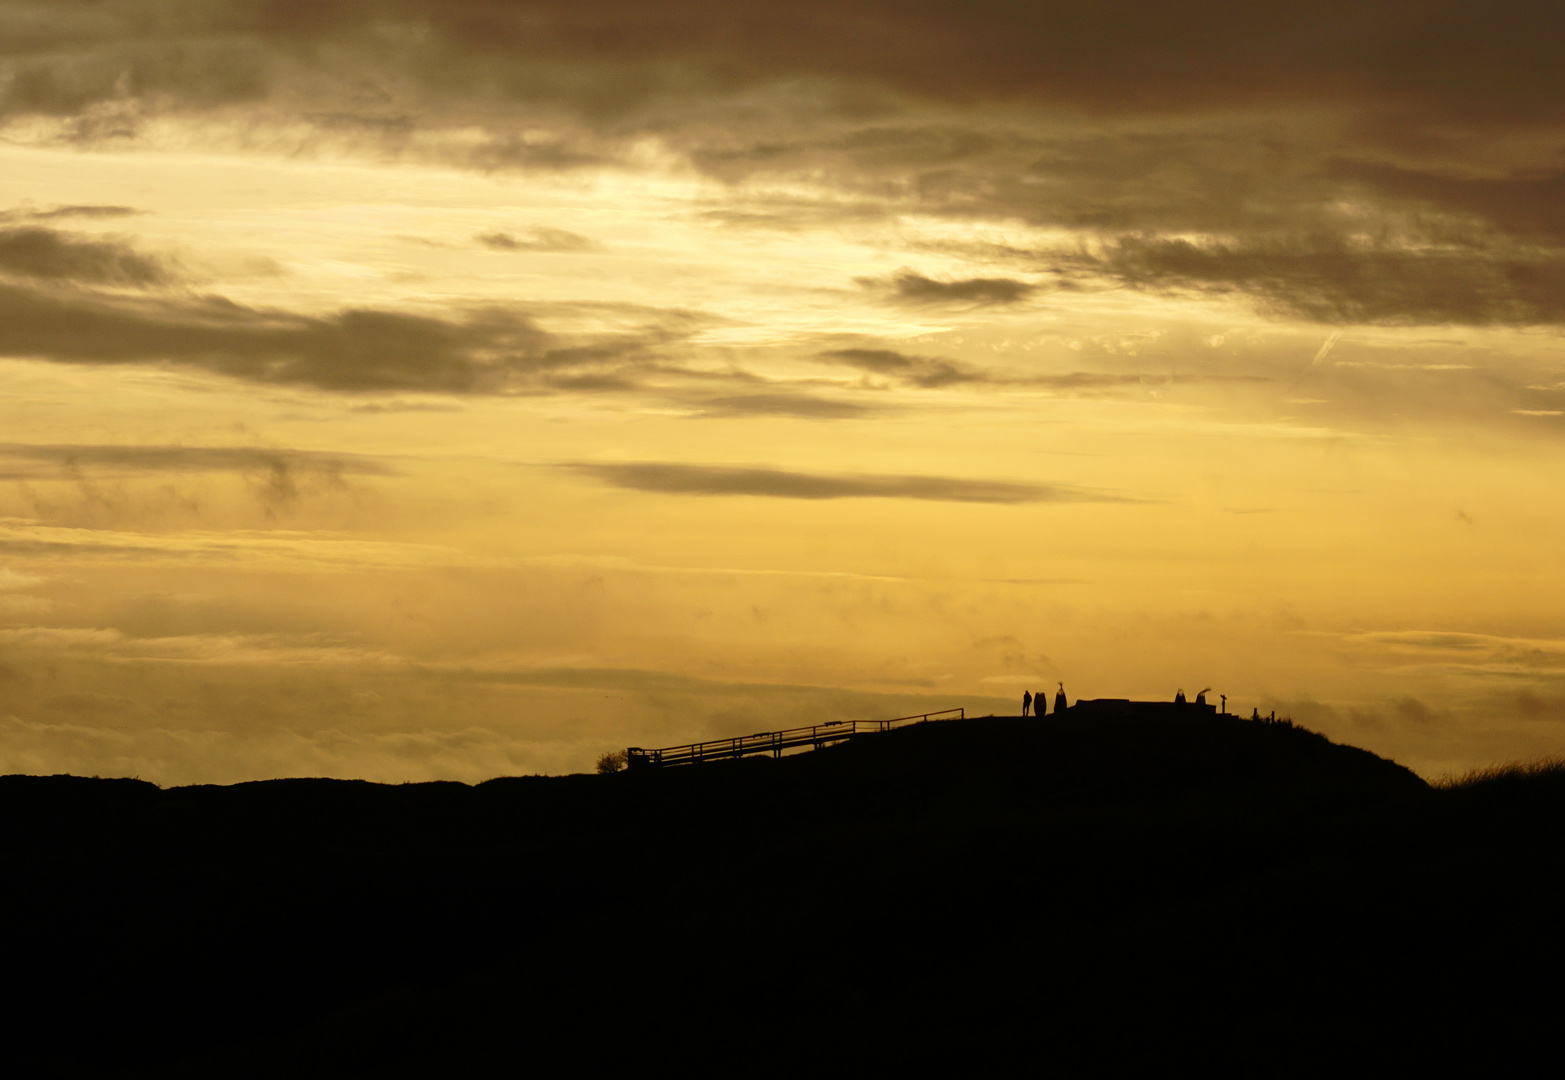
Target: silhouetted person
column 1059, row 700
column 1026, row 701
column 1040, row 704
column 1179, row 697
column 1255, row 714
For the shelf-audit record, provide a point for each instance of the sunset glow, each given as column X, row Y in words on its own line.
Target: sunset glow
column 414, row 391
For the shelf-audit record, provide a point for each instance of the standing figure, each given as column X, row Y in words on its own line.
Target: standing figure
column 1026, row 701
column 1040, row 704
column 1059, row 701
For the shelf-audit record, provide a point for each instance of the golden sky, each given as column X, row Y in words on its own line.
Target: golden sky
column 411, row 390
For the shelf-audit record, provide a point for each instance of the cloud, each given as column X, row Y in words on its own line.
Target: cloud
column 393, row 125
column 60, row 637
column 379, row 407
column 912, row 288
column 1266, row 211
column 782, row 403
column 1527, row 203
column 919, row 370
column 95, row 489
column 1105, row 380
column 268, row 548
column 47, row 254
column 95, row 705
column 557, row 153
column 1270, row 140
column 563, row 83
column 789, row 214
column 537, row 238
column 118, row 59
column 1460, row 652
column 86, row 211
column 676, row 479
column 352, row 351
column 156, row 459
column 13, row 579
column 1299, row 156
column 935, row 372
column 607, row 57
column 1329, row 280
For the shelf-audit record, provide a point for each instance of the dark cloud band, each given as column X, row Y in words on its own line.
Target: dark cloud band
column 47, row 254
column 609, row 57
column 352, row 351
column 677, row 479
column 910, row 288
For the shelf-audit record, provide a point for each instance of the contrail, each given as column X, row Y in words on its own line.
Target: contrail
column 1320, row 354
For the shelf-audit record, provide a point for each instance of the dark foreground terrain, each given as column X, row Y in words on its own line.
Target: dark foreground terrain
column 1018, row 892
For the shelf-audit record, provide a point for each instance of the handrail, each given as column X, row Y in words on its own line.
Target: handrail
column 817, row 735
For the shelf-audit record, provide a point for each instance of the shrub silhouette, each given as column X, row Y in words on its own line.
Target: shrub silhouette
column 612, row 762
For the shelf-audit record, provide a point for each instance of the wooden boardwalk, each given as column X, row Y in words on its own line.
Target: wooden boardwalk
column 775, row 742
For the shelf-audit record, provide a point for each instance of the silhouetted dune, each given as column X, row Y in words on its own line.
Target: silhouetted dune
column 985, row 887
column 1123, row 761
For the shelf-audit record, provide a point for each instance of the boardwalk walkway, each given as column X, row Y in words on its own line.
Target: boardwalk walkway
column 775, row 742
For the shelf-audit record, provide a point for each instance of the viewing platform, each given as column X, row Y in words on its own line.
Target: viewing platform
column 1171, row 710
column 819, row 735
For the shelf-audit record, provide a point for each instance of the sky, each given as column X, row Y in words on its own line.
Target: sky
column 414, row 390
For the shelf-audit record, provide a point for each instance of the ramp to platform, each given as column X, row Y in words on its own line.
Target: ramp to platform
column 775, row 742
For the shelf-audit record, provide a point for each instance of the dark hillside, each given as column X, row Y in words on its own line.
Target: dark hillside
column 982, row 883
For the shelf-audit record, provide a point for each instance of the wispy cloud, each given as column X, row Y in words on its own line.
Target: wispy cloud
column 147, row 459
column 84, row 211
column 783, row 403
column 922, row 371
column 1483, row 654
column 536, row 238
column 934, row 372
column 262, row 549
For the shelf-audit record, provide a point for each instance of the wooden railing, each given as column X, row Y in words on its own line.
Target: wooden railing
column 775, row 742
